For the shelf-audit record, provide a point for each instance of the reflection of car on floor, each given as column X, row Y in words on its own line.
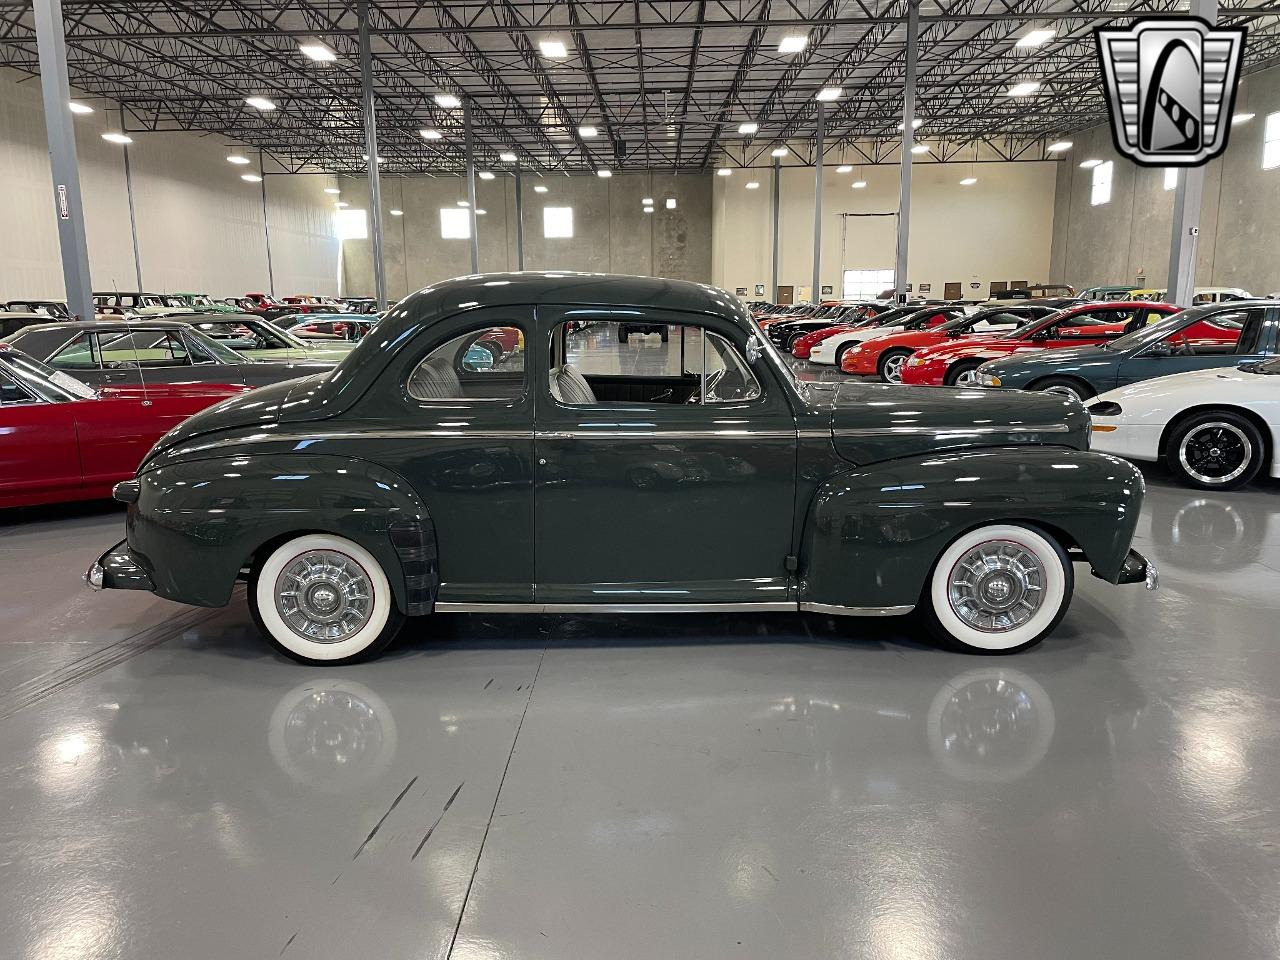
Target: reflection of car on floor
column 1219, row 335
column 626, row 330
column 1215, row 429
column 101, row 352
column 62, row 440
column 816, row 497
column 1090, row 324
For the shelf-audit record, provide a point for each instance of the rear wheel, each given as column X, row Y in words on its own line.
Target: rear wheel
column 323, row 599
column 1215, row 450
column 963, row 374
column 1066, row 387
column 998, row 589
column 891, row 364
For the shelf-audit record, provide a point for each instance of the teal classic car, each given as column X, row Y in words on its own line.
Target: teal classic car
column 576, row 473
column 263, row 340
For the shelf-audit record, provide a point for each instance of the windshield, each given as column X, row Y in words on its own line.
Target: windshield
column 44, row 381
column 219, row 353
column 249, row 333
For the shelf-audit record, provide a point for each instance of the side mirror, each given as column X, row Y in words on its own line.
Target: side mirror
column 753, row 349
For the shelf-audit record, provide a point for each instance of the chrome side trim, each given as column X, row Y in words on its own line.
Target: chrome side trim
column 943, row 431
column 840, row 611
column 662, row 434
column 447, row 606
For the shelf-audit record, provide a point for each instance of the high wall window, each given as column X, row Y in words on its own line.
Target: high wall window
column 557, row 221
column 1102, row 183
column 1170, row 178
column 455, row 223
column 1271, row 142
column 866, row 284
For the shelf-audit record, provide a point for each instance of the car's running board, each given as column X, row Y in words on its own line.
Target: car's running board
column 449, row 606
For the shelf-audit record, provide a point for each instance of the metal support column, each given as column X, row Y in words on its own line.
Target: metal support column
column 519, row 222
column 1186, row 206
column 908, row 141
column 471, row 185
column 133, row 217
column 777, row 184
column 266, row 229
column 52, row 48
column 371, row 148
column 815, row 294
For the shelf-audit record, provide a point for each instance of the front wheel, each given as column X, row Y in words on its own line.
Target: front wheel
column 962, row 375
column 322, row 599
column 998, row 589
column 1066, row 387
column 1215, row 450
column 891, row 365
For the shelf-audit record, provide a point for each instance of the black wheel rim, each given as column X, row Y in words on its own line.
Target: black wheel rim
column 1215, row 453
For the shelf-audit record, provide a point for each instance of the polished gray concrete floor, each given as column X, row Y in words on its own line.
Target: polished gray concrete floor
column 647, row 787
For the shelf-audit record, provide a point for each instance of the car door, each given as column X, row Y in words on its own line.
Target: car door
column 642, row 496
column 39, row 456
column 1205, row 344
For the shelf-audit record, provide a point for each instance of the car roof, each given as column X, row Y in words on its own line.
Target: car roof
column 141, row 323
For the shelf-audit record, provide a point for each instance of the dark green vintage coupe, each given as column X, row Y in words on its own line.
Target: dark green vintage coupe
column 571, row 472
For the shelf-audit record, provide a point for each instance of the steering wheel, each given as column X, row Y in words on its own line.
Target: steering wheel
column 1184, row 347
column 708, row 388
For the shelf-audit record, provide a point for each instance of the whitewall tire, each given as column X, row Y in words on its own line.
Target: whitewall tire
column 324, row 599
column 999, row 589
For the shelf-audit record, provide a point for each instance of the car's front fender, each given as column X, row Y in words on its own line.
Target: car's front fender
column 197, row 523
column 872, row 535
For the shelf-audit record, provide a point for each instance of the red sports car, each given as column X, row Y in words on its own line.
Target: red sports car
column 1089, row 324
column 62, row 440
column 800, row 349
column 885, row 356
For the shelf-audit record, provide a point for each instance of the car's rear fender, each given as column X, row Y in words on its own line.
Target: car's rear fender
column 872, row 534
column 197, row 524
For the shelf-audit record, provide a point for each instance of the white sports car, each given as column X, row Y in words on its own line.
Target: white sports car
column 833, row 349
column 1216, row 429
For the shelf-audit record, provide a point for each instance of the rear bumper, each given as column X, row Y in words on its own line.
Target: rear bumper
column 118, row 570
column 1138, row 569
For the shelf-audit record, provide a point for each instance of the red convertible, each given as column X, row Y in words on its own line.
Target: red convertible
column 1090, row 324
column 62, row 440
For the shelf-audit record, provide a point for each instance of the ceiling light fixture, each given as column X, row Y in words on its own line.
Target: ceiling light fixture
column 968, row 181
column 827, row 94
column 793, row 44
column 845, row 168
column 1024, row 89
column 753, row 185
column 586, row 131
column 553, row 49
column 1034, row 38
column 480, row 213
column 365, row 158
column 671, row 203
column 920, row 148
column 1058, row 146
column 341, row 204
column 333, row 190
column 75, row 106
column 260, row 103
column 431, row 134
column 647, row 201
column 238, row 159
column 604, row 173
column 1089, row 164
column 748, row 128
column 507, row 157
column 464, row 203
column 396, row 213
column 916, row 124
column 485, row 174
column 1235, row 118
column 724, row 172
column 648, row 209
column 858, row 184
column 539, row 188
column 449, row 101
column 779, row 152
column 318, row 51
column 117, row 138
column 250, row 178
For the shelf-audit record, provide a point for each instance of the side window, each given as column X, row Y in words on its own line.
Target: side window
column 143, row 348
column 1222, row 333
column 487, row 363
column 647, row 362
column 1250, row 337
column 12, row 394
column 79, row 354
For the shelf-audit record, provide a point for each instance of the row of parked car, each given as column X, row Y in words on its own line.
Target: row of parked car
column 1189, row 386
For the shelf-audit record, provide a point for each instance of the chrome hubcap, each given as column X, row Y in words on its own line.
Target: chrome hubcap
column 966, row 377
column 997, row 586
column 893, row 368
column 1065, row 391
column 1215, row 452
column 324, row 596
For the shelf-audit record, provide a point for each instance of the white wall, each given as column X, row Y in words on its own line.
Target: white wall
column 199, row 225
column 999, row 229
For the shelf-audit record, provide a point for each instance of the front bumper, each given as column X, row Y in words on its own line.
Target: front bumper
column 1138, row 569
column 118, row 570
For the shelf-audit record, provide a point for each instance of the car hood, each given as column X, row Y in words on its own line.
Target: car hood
column 875, row 422
column 1222, row 384
column 261, row 408
column 1065, row 356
